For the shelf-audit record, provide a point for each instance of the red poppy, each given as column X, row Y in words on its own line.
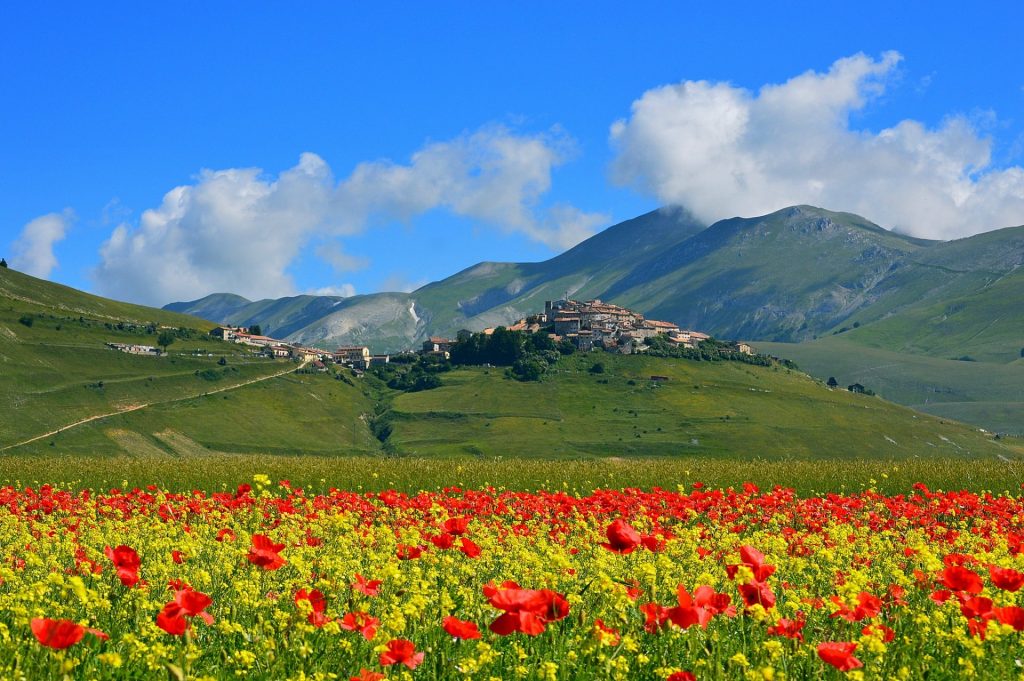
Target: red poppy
column 456, row 525
column 753, row 559
column 468, row 547
column 178, row 557
column 653, row 543
column 681, row 676
column 867, row 606
column 687, row 613
column 187, row 603
column 526, row 610
column 226, row 534
column 126, row 561
column 611, row 632
column 887, row 633
column 757, row 593
column 978, row 606
column 959, row 578
column 1012, row 615
column 656, row 616
column 406, row 552
column 367, row 675
column 58, row 634
column 368, row 587
column 442, row 541
column 622, row 538
column 401, row 651
column 317, row 602
column 266, row 553
column 789, row 628
column 839, row 655
column 1006, row 579
column 362, row 622
column 460, row 628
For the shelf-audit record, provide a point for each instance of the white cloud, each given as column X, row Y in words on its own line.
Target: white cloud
column 232, row 230
column 722, row 151
column 401, row 283
column 344, row 290
column 237, row 230
column 33, row 250
column 334, row 255
column 492, row 175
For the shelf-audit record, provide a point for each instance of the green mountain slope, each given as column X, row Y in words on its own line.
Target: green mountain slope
column 987, row 394
column 799, row 275
column 711, row 409
column 794, row 275
column 63, row 392
column 56, row 370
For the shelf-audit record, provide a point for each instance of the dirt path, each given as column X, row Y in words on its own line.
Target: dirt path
column 136, row 407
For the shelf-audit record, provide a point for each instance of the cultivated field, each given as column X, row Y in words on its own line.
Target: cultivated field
column 269, row 581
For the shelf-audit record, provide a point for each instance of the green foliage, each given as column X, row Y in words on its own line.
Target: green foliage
column 597, row 368
column 529, row 355
column 412, row 376
column 710, row 350
column 165, row 339
column 27, row 320
column 3, row 263
column 318, row 473
column 256, row 330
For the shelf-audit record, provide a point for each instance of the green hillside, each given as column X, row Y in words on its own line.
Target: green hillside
column 719, row 409
column 57, row 369
column 64, row 392
column 799, row 275
column 983, row 393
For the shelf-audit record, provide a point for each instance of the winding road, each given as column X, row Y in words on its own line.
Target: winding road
column 137, row 407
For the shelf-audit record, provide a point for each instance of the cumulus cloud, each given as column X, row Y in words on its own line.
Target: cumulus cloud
column 33, row 249
column 333, row 253
column 344, row 290
column 238, row 230
column 722, row 150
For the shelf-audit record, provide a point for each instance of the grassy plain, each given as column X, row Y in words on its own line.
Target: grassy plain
column 988, row 394
column 717, row 409
column 212, row 472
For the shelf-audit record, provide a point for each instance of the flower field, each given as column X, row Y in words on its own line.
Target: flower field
column 268, row 581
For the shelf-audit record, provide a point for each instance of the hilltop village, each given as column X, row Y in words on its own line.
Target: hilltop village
column 591, row 325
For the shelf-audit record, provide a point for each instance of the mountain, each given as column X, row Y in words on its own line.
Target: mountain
column 796, row 280
column 64, row 392
column 791, row 276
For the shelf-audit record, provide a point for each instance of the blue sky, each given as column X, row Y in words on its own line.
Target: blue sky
column 439, row 134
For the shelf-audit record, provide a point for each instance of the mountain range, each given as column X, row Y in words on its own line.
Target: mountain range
column 793, row 280
column 790, row 276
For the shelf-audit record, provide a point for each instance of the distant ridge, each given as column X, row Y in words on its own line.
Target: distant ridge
column 793, row 275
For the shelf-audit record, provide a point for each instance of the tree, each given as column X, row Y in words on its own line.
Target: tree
column 164, row 339
column 256, row 330
column 832, row 382
column 3, row 263
column 598, row 368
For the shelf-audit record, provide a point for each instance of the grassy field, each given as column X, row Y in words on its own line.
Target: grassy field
column 294, row 414
column 722, row 409
column 990, row 395
column 212, row 472
column 58, row 370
